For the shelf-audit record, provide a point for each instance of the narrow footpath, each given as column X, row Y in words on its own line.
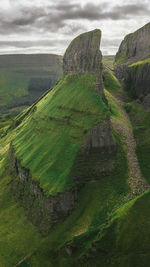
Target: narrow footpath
column 137, row 183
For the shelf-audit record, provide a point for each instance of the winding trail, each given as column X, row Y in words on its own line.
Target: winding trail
column 137, row 183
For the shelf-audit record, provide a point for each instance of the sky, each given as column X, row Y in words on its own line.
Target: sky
column 48, row 26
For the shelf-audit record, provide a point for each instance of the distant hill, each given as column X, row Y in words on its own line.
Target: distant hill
column 108, row 60
column 24, row 78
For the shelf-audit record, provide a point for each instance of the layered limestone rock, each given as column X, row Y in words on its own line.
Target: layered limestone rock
column 134, row 47
column 84, row 56
column 100, row 139
column 137, row 80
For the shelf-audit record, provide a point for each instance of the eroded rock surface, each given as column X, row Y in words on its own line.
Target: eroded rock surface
column 84, row 56
column 134, row 47
column 137, row 80
column 100, row 139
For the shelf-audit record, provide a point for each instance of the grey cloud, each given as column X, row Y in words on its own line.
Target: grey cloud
column 92, row 12
column 28, row 43
column 56, row 16
column 67, row 18
column 111, row 42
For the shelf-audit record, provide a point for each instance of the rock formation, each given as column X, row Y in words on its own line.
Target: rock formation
column 95, row 157
column 134, row 47
column 84, row 56
column 132, row 63
column 137, row 80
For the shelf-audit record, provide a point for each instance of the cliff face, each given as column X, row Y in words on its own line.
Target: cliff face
column 137, row 80
column 134, row 47
column 83, row 54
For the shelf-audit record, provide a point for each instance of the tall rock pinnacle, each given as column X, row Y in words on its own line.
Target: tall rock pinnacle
column 83, row 56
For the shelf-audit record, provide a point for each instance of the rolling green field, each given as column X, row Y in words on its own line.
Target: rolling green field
column 23, row 79
column 108, row 61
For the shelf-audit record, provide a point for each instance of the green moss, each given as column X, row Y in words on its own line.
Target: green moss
column 140, row 63
column 111, row 83
column 114, row 109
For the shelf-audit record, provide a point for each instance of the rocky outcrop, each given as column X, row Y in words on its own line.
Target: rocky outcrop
column 100, row 139
column 44, row 212
column 83, row 56
column 137, row 80
column 96, row 158
column 134, row 47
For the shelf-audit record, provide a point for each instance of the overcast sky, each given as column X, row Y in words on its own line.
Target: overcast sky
column 48, row 26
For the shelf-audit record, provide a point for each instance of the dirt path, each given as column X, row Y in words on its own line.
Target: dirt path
column 136, row 182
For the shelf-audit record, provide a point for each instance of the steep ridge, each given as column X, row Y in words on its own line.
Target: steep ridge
column 67, row 129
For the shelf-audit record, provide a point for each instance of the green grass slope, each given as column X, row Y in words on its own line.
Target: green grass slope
column 51, row 136
column 48, row 140
column 125, row 241
column 111, row 83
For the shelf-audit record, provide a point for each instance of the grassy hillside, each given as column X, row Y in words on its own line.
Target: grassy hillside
column 23, row 78
column 119, row 244
column 102, row 230
column 55, row 120
column 57, row 127
column 110, row 81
